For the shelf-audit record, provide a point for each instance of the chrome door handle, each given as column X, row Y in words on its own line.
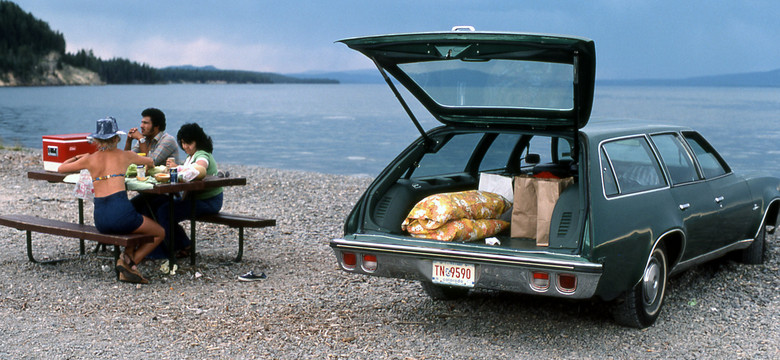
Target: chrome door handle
column 719, row 199
column 685, row 206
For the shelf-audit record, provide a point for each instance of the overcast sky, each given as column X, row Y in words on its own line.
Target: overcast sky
column 634, row 38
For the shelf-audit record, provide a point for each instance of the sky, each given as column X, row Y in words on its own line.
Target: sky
column 635, row 39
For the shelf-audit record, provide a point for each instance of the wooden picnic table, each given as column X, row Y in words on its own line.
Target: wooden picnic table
column 160, row 189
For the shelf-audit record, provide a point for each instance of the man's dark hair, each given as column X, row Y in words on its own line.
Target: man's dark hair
column 190, row 132
column 157, row 116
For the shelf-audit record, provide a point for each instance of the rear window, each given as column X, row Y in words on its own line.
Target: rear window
column 634, row 166
column 712, row 165
column 495, row 83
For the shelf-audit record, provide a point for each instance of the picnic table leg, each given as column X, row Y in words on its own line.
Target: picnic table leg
column 172, row 238
column 29, row 247
column 192, row 231
column 30, row 254
column 116, row 259
column 81, row 222
column 240, row 244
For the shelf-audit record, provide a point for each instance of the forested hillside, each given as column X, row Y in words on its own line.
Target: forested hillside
column 114, row 71
column 24, row 41
column 31, row 53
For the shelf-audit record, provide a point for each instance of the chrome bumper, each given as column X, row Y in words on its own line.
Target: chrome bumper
column 493, row 271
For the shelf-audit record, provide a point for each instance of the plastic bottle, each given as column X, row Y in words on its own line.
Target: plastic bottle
column 141, row 170
column 141, row 176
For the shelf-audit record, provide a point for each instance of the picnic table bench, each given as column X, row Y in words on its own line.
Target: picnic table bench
column 232, row 220
column 29, row 223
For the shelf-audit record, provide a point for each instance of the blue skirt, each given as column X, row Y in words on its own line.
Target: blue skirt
column 114, row 214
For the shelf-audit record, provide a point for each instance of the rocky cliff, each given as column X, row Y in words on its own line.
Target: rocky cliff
column 50, row 74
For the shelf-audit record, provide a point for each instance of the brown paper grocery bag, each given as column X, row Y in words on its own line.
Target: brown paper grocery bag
column 547, row 193
column 524, row 208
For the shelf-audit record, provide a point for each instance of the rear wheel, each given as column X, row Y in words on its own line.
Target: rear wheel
column 440, row 292
column 641, row 305
column 754, row 254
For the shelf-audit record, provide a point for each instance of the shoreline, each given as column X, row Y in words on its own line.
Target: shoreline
column 37, row 152
column 308, row 308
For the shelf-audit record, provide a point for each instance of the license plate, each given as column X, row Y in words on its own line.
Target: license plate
column 447, row 273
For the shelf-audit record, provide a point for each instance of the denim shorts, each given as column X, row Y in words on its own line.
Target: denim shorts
column 114, row 214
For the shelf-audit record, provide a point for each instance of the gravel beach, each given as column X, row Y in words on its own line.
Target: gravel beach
column 309, row 309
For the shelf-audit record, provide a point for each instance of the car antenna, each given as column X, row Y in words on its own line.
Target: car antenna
column 429, row 143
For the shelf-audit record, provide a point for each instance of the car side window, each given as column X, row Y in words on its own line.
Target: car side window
column 712, row 165
column 541, row 145
column 608, row 176
column 564, row 149
column 676, row 157
column 451, row 158
column 497, row 155
column 634, row 164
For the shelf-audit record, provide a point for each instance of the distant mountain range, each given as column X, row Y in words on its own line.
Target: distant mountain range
column 211, row 74
column 751, row 79
column 366, row 76
column 191, row 67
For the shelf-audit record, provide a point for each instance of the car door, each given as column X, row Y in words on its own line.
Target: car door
column 730, row 192
column 695, row 200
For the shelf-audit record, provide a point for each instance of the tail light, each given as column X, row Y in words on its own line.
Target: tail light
column 567, row 283
column 348, row 260
column 369, row 263
column 540, row 281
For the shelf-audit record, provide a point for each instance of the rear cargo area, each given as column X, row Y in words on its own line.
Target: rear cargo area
column 394, row 207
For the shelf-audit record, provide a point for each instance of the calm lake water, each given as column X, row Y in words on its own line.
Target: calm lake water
column 357, row 129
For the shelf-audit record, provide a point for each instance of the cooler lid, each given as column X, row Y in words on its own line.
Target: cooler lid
column 65, row 137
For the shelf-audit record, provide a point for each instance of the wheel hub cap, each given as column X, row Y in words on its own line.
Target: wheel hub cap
column 650, row 282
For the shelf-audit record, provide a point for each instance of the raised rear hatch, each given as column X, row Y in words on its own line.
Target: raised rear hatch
column 489, row 78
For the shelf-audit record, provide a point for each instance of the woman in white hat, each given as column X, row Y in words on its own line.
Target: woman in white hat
column 114, row 214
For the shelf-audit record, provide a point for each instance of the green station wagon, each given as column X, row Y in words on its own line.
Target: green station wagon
column 645, row 200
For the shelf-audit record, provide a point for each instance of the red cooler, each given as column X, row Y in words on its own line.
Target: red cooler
column 58, row 148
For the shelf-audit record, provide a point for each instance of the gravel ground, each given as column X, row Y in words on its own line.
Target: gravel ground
column 308, row 308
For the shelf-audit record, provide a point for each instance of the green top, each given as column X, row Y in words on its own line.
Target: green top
column 211, row 170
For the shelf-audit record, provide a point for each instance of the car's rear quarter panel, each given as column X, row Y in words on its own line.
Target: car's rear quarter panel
column 765, row 191
column 624, row 229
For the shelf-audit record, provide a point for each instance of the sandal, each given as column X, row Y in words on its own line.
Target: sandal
column 126, row 259
column 130, row 274
column 124, row 262
column 136, row 279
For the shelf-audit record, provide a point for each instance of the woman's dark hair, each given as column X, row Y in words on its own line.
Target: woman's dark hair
column 190, row 132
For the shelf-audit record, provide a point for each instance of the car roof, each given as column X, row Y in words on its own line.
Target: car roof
column 598, row 130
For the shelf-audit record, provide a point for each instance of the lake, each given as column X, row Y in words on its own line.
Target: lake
column 356, row 129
